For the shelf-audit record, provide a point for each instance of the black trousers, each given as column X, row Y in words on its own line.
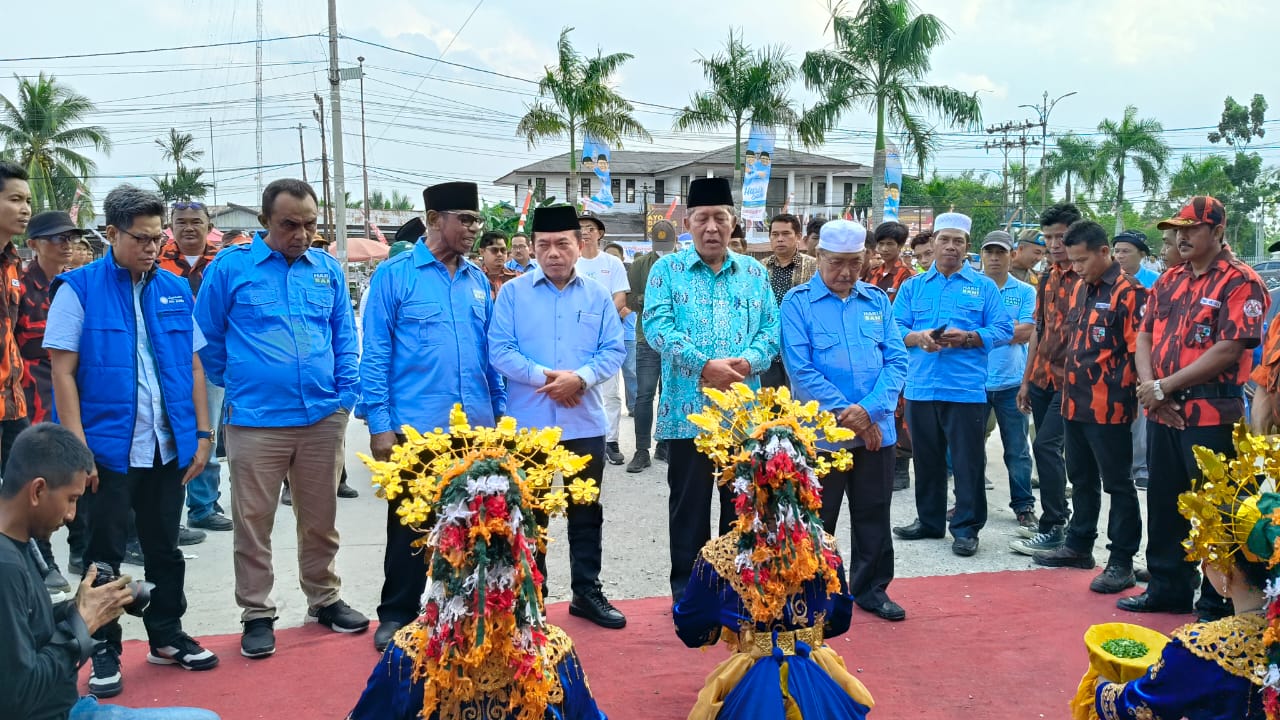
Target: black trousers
column 869, row 485
column 1100, row 457
column 1047, row 449
column 936, row 427
column 691, row 480
column 156, row 496
column 586, row 523
column 1173, row 466
column 404, row 569
column 775, row 376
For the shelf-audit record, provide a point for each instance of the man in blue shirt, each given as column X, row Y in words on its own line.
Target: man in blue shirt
column 1006, row 364
column 127, row 382
column 710, row 314
column 426, row 321
column 950, row 316
column 842, row 347
column 282, row 342
column 520, row 262
column 556, row 338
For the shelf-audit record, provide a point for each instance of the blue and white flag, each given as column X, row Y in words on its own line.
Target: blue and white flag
column 892, row 183
column 755, row 172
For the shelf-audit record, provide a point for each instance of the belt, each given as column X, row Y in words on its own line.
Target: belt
column 761, row 644
column 1210, row 391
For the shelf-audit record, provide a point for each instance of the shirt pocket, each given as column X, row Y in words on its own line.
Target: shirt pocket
column 428, row 318
column 263, row 303
column 968, row 313
column 586, row 333
column 1101, row 328
column 871, row 342
column 829, row 352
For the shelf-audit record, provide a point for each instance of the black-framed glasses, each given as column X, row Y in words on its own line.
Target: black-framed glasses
column 466, row 218
column 189, row 205
column 145, row 240
column 67, row 237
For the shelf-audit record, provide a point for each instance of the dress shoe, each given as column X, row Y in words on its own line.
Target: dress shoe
column 187, row 536
column 215, row 521
column 888, row 610
column 916, row 531
column 639, row 461
column 614, row 454
column 594, row 606
column 965, row 546
column 1064, row 557
column 385, row 632
column 1144, row 603
column 347, row 492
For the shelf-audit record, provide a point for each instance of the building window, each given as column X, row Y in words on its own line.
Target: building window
column 684, row 188
column 848, row 194
column 615, row 188
column 659, row 191
column 539, row 189
column 631, row 190
column 821, row 197
column 568, row 190
column 585, row 189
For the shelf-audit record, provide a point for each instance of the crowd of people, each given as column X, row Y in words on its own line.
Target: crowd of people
column 145, row 354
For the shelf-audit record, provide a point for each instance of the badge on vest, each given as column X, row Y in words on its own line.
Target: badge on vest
column 1210, row 302
column 320, row 278
column 15, row 282
column 971, row 290
column 872, row 316
column 1102, row 306
column 1097, row 333
column 478, row 294
column 172, row 300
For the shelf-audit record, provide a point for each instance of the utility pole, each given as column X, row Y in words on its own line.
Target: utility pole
column 257, row 98
column 1005, row 145
column 1043, row 111
column 213, row 163
column 364, row 158
column 324, row 165
column 302, row 150
column 335, row 98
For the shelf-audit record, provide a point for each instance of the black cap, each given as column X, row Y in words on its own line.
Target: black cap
column 411, row 231
column 452, row 196
column 709, row 191
column 592, row 218
column 555, row 218
column 1135, row 239
column 50, row 223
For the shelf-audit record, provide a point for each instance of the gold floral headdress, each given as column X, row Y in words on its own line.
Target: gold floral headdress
column 473, row 493
column 1223, row 506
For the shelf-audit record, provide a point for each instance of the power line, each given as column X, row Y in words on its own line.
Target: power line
column 157, row 50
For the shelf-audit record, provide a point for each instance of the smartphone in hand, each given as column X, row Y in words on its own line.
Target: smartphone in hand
column 936, row 333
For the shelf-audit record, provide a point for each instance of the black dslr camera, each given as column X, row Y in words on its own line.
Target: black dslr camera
column 141, row 589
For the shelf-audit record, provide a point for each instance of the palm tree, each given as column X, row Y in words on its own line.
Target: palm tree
column 399, row 201
column 41, row 132
column 574, row 99
column 179, row 147
column 879, row 61
column 1075, row 158
column 1207, row 176
column 1136, row 141
column 746, row 87
column 186, row 184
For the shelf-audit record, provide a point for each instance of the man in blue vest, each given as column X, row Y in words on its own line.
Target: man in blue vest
column 127, row 381
column 426, row 320
column 282, row 342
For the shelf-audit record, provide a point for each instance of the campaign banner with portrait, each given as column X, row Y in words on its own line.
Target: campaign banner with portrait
column 595, row 157
column 756, row 166
column 892, row 183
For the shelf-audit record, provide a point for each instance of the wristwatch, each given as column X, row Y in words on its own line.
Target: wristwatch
column 204, row 435
column 1159, row 392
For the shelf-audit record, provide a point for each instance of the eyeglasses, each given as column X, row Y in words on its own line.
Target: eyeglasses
column 190, row 205
column 67, row 237
column 145, row 240
column 466, row 218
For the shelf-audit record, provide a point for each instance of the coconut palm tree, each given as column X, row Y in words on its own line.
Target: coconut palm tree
column 879, row 61
column 40, row 129
column 575, row 99
column 1075, row 158
column 747, row 86
column 179, row 147
column 186, row 184
column 1132, row 141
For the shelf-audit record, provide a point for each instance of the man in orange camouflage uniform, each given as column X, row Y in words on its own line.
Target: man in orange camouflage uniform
column 1195, row 352
column 889, row 239
column 1041, row 393
column 1098, row 406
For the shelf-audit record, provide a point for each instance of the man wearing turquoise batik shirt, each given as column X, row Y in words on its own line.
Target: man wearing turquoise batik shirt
column 712, row 317
column 843, row 348
column 950, row 317
column 426, row 322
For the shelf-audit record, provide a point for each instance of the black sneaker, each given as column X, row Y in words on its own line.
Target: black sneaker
column 660, row 453
column 286, row 497
column 105, row 680
column 1114, row 578
column 339, row 617
column 639, row 461
column 214, row 521
column 183, row 652
column 187, row 536
column 258, row 639
column 54, row 582
column 594, row 606
column 1064, row 557
column 347, row 492
column 614, row 454
column 133, row 554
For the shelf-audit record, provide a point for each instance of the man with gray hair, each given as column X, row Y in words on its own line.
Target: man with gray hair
column 128, row 382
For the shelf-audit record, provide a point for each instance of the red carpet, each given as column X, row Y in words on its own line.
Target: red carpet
column 987, row 646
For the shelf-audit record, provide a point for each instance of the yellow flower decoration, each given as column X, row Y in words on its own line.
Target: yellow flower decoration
column 584, row 491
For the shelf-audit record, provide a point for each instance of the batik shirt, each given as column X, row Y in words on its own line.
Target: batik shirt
column 1053, row 301
column 1186, row 315
column 693, row 315
column 1103, row 334
column 37, row 370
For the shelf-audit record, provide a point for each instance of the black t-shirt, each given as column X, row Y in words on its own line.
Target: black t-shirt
column 41, row 647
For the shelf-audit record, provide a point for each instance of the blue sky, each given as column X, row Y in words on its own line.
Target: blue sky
column 1174, row 59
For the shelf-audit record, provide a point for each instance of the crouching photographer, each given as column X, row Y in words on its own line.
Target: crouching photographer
column 42, row 646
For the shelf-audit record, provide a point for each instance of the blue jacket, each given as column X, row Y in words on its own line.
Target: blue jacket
column 107, row 374
column 282, row 337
